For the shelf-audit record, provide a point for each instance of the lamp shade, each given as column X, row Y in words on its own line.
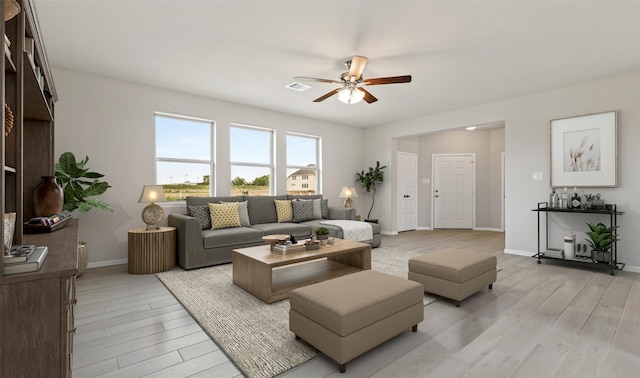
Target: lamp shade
column 151, row 194
column 345, row 192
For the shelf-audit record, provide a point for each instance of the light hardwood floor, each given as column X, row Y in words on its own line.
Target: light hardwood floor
column 538, row 321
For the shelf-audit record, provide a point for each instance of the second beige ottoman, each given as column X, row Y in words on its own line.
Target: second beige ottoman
column 453, row 273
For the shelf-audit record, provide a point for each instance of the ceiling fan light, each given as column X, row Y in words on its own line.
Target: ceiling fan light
column 350, row 95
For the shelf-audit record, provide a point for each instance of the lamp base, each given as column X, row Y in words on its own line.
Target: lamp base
column 348, row 203
column 152, row 215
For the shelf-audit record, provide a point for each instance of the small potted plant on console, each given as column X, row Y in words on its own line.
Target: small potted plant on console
column 601, row 239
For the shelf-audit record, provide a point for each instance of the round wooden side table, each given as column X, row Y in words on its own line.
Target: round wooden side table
column 152, row 251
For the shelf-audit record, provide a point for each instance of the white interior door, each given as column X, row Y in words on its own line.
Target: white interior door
column 453, row 191
column 407, row 191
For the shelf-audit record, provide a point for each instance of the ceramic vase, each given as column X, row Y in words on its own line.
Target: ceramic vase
column 48, row 197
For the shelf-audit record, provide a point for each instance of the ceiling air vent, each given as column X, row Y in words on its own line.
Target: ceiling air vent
column 298, row 86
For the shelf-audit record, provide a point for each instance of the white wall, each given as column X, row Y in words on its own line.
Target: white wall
column 112, row 122
column 527, row 149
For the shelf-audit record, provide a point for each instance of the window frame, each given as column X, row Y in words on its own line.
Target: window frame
column 318, row 157
column 270, row 165
column 210, row 161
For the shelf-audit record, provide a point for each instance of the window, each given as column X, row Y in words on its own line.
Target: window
column 251, row 161
column 303, row 156
column 184, row 164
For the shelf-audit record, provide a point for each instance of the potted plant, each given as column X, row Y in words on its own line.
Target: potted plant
column 79, row 183
column 322, row 233
column 601, row 239
column 368, row 181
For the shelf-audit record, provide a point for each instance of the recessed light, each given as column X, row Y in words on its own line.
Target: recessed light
column 470, row 128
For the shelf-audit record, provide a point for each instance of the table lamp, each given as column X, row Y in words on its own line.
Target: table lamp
column 348, row 193
column 152, row 214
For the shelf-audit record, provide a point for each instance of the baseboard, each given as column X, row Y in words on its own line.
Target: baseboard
column 487, row 229
column 389, row 233
column 519, row 253
column 99, row 264
column 425, row 229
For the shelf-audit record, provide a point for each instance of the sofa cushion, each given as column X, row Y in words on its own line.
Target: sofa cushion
column 201, row 213
column 300, row 230
column 262, row 209
column 224, row 215
column 317, row 208
column 243, row 213
column 231, row 236
column 302, row 210
column 284, row 209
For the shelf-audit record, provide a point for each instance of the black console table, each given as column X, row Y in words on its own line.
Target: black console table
column 611, row 211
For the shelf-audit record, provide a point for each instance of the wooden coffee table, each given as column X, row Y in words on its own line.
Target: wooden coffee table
column 271, row 276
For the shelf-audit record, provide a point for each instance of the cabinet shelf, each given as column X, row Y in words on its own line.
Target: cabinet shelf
column 612, row 212
column 8, row 63
column 39, row 108
column 9, row 169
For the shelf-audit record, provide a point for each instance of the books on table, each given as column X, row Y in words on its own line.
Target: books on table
column 288, row 248
column 33, row 263
column 19, row 253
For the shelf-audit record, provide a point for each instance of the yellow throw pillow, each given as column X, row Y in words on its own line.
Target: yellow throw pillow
column 284, row 211
column 224, row 215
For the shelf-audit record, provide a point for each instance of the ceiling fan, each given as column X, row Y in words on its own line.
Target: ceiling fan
column 352, row 82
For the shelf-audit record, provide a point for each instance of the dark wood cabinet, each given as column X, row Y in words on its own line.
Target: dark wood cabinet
column 36, row 309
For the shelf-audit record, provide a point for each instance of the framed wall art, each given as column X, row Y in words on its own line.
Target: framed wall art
column 584, row 151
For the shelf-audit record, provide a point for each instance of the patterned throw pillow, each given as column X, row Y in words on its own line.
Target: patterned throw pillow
column 325, row 208
column 224, row 215
column 284, row 211
column 302, row 211
column 243, row 213
column 201, row 213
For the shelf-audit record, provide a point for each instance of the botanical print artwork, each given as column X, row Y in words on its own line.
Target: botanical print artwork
column 582, row 151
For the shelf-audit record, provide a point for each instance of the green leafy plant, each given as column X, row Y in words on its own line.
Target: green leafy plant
column 322, row 231
column 601, row 237
column 369, row 180
column 79, row 183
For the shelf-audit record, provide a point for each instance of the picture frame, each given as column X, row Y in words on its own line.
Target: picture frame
column 584, row 150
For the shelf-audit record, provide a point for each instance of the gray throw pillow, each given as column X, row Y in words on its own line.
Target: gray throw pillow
column 243, row 212
column 201, row 213
column 302, row 211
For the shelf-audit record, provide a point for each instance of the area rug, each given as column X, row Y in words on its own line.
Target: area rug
column 255, row 335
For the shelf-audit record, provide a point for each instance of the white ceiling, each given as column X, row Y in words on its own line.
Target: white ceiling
column 460, row 53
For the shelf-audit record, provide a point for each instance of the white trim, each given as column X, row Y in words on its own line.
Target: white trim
column 425, row 228
column 519, row 253
column 391, row 233
column 502, row 185
column 99, row 264
column 487, row 229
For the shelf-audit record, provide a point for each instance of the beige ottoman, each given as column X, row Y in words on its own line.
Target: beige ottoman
column 347, row 316
column 453, row 273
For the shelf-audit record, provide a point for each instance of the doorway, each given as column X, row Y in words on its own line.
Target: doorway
column 453, row 191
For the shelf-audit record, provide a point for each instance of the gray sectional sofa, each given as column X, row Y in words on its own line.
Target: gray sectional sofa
column 200, row 246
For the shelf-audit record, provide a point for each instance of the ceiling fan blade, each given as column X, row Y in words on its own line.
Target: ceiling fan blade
column 368, row 97
column 322, row 98
column 357, row 66
column 305, row 78
column 388, row 80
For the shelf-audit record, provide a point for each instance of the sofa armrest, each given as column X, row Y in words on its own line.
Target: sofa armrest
column 342, row 213
column 188, row 235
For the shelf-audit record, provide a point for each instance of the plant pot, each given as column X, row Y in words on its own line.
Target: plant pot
column 601, row 256
column 48, row 197
column 322, row 237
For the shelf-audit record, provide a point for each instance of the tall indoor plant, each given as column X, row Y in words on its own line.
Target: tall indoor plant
column 78, row 184
column 368, row 181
